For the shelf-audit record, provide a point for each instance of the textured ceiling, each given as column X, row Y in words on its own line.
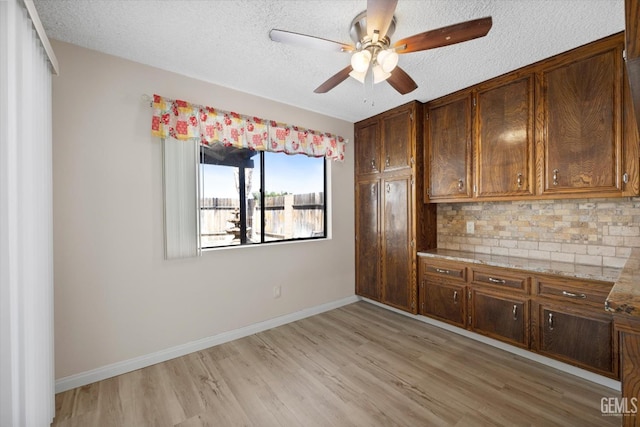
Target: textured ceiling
column 227, row 43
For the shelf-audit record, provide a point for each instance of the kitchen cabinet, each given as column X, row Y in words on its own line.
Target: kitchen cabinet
column 500, row 316
column 448, row 126
column 632, row 43
column 390, row 225
column 504, row 139
column 578, row 336
column 368, row 243
column 570, row 324
column 559, row 128
column 581, row 102
column 559, row 317
column 443, row 293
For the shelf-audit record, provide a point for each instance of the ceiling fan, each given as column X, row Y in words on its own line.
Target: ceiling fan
column 373, row 56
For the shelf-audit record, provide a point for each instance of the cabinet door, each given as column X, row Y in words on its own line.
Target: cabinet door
column 368, row 239
column 580, row 337
column 367, row 146
column 397, row 139
column 444, row 301
column 448, row 142
column 501, row 316
column 582, row 114
column 504, row 139
column 398, row 282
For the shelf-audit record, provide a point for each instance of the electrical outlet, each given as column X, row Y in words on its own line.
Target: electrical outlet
column 277, row 291
column 471, row 228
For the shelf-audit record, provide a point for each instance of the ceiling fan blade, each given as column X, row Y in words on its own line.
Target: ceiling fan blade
column 379, row 16
column 334, row 80
column 401, row 81
column 445, row 36
column 306, row 41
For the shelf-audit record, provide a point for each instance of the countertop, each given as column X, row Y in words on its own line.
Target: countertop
column 624, row 297
column 606, row 274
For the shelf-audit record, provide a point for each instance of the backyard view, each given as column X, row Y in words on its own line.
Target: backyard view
column 230, row 200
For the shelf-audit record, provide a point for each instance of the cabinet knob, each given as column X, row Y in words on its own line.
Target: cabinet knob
column 550, row 321
column 388, row 188
column 387, row 162
column 555, row 176
column 460, row 184
column 519, row 179
column 373, row 164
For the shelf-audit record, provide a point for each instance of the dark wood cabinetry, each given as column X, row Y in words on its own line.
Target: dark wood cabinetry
column 555, row 129
column 504, row 141
column 632, row 43
column 559, row 317
column 581, row 99
column 390, row 226
column 575, row 335
column 448, row 142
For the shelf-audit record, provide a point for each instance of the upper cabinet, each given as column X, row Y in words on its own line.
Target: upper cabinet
column 554, row 129
column 504, row 140
column 632, row 35
column 385, row 142
column 448, row 148
column 581, row 102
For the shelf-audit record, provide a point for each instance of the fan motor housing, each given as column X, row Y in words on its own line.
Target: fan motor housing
column 358, row 31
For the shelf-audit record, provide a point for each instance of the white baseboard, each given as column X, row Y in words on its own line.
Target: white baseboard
column 578, row 372
column 104, row 372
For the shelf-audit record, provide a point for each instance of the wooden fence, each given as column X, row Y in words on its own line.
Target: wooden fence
column 286, row 217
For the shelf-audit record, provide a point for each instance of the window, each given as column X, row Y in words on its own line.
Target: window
column 251, row 197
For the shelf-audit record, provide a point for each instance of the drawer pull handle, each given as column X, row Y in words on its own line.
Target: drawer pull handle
column 440, row 270
column 551, row 321
column 373, row 164
column 500, row 281
column 555, row 176
column 455, row 297
column 515, row 312
column 572, row 295
column 387, row 162
column 460, row 184
column 519, row 180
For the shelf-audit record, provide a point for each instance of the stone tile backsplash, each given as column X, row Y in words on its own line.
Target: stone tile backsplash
column 585, row 231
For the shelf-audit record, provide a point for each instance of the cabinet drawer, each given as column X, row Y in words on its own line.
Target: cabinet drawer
column 577, row 291
column 501, row 279
column 445, row 270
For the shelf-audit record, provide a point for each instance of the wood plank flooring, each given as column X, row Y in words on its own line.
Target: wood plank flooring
column 359, row 365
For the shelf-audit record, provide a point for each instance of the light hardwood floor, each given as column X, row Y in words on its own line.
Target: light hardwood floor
column 359, row 365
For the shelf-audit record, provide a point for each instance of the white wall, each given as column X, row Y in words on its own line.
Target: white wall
column 116, row 298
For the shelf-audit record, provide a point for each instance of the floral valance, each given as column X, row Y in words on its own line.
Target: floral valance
column 183, row 121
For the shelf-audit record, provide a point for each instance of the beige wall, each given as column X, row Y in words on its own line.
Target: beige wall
column 594, row 232
column 116, row 298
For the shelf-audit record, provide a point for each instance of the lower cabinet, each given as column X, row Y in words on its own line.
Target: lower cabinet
column 581, row 337
column 444, row 301
column 559, row 317
column 503, row 317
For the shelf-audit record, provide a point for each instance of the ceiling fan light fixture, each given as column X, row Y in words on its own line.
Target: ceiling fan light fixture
column 379, row 75
column 360, row 61
column 358, row 75
column 388, row 59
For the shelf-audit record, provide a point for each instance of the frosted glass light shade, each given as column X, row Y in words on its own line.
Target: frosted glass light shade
column 388, row 59
column 358, row 75
column 379, row 75
column 360, row 61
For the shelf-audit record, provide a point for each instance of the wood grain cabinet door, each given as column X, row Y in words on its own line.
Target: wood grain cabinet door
column 579, row 337
column 397, row 140
column 500, row 316
column 582, row 103
column 504, row 139
column 399, row 287
column 448, row 141
column 444, row 301
column 367, row 147
column 368, row 239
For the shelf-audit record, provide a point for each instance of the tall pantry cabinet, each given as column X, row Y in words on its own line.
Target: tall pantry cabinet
column 392, row 223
